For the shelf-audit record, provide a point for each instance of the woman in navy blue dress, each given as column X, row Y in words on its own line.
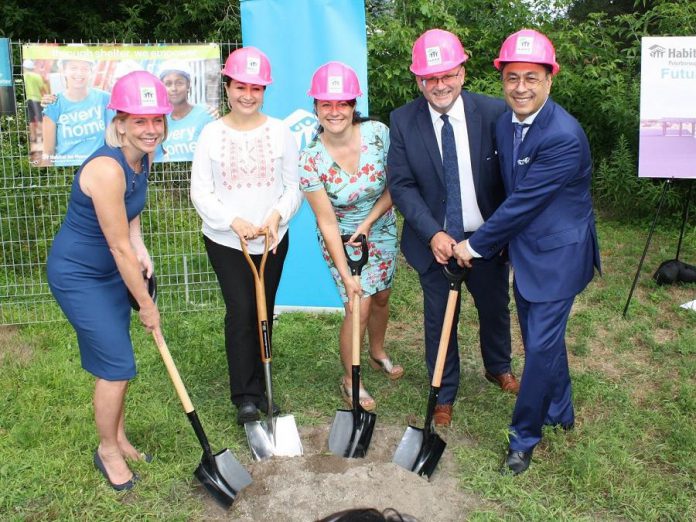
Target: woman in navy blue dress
column 98, row 256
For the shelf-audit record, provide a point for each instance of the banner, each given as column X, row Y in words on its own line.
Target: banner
column 298, row 37
column 7, row 97
column 667, row 147
column 68, row 88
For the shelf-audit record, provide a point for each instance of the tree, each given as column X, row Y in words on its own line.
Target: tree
column 580, row 10
column 120, row 20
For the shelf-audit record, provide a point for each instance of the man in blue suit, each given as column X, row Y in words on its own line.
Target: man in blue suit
column 446, row 185
column 548, row 222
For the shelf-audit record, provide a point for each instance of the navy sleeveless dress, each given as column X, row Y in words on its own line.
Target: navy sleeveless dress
column 83, row 277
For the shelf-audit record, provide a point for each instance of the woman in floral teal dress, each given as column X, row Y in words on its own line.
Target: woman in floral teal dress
column 342, row 172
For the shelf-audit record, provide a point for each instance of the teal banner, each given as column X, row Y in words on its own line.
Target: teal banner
column 5, row 67
column 298, row 36
column 7, row 98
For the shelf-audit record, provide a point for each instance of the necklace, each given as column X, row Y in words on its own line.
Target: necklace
column 135, row 167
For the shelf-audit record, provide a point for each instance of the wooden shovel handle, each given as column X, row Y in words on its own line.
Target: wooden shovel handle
column 444, row 337
column 173, row 372
column 455, row 277
column 356, row 266
column 260, row 289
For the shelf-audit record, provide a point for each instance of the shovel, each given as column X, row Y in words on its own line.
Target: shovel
column 221, row 474
column 277, row 435
column 420, row 449
column 351, row 430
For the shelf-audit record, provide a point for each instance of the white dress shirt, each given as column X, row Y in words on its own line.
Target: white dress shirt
column 471, row 214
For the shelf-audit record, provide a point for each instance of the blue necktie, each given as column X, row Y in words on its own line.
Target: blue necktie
column 517, row 140
column 450, row 168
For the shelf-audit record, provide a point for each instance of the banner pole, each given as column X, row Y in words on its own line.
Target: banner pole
column 685, row 218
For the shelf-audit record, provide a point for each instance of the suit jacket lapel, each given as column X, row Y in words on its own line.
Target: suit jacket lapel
column 505, row 151
column 541, row 121
column 425, row 127
column 473, row 129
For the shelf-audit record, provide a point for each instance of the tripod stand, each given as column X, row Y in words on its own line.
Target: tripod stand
column 685, row 217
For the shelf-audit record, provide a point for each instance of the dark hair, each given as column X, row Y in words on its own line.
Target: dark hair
column 368, row 515
column 357, row 117
column 549, row 69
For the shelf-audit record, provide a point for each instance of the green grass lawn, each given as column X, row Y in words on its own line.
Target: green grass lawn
column 632, row 455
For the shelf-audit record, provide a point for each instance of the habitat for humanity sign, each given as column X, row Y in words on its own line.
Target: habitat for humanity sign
column 668, row 108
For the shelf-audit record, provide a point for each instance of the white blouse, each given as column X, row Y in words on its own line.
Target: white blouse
column 245, row 174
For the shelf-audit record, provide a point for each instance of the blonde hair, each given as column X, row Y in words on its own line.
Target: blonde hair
column 113, row 139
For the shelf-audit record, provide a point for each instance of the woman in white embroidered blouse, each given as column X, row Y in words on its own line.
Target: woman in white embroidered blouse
column 244, row 179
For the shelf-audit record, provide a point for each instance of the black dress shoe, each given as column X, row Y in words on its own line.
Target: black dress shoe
column 126, row 486
column 516, row 462
column 247, row 412
column 263, row 406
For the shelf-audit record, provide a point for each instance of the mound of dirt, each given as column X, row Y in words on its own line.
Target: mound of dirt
column 310, row 487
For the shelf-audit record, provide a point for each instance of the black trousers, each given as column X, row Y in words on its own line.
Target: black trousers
column 241, row 323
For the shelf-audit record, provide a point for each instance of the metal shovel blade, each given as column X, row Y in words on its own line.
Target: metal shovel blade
column 261, row 441
column 351, row 433
column 419, row 453
column 223, row 476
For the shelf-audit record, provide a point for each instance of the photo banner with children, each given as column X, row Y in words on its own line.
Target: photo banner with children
column 667, row 147
column 298, row 37
column 68, row 89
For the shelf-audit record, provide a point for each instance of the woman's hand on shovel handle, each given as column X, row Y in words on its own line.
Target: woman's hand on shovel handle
column 353, row 288
column 149, row 316
column 272, row 223
column 244, row 229
column 363, row 228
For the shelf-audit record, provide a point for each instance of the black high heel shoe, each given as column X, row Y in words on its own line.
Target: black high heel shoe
column 118, row 487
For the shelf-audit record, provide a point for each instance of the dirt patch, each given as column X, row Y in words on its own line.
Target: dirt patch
column 13, row 348
column 319, row 483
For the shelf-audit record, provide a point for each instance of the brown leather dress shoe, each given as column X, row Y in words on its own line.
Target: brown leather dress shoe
column 506, row 381
column 442, row 415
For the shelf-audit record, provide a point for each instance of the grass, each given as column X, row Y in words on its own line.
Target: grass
column 632, row 455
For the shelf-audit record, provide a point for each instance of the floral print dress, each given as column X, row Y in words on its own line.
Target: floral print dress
column 352, row 196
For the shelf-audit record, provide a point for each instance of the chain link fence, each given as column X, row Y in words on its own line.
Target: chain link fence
column 33, row 201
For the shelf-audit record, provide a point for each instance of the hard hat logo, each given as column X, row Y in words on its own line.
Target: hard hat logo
column 433, row 56
column 335, row 84
column 253, row 65
column 524, row 45
column 148, row 97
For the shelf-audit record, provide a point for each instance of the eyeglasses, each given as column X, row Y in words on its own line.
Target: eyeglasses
column 433, row 81
column 531, row 81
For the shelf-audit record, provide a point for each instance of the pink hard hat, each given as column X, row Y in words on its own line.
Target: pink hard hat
column 248, row 65
column 436, row 51
column 528, row 46
column 334, row 81
column 139, row 92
